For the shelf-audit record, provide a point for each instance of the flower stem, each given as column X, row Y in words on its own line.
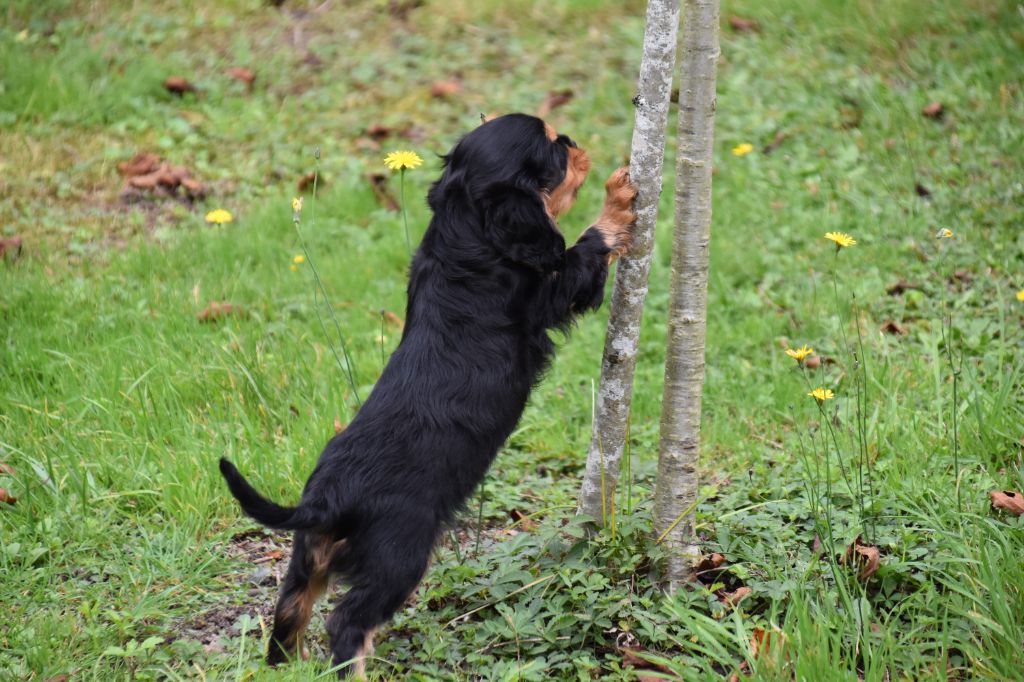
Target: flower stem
column 405, row 218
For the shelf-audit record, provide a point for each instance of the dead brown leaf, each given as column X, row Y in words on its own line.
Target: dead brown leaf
column 1008, row 500
column 338, row 426
column 6, row 469
column 216, row 310
column 379, row 132
column 10, row 245
column 178, row 85
column 310, row 180
column 62, row 677
column 893, row 327
column 710, row 562
column 632, row 657
column 379, row 185
column 553, row 100
column 272, row 555
column 866, row 556
column 933, row 110
column 741, row 25
column 524, row 521
column 899, row 287
column 6, row 496
column 776, row 142
column 445, row 88
column 140, row 164
column 736, row 596
column 243, row 75
column 392, row 319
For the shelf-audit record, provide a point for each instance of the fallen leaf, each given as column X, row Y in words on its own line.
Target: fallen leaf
column 62, row 677
column 524, row 521
column 310, row 180
column 866, row 556
column 272, row 555
column 140, row 164
column 379, row 185
column 776, row 142
column 215, row 310
column 708, row 564
column 921, row 190
column 392, row 319
column 10, row 245
column 178, row 85
column 445, row 88
column 741, row 25
column 1008, row 500
column 379, row 132
column 553, row 100
column 736, row 596
column 899, row 287
column 633, row 657
column 338, row 426
column 6, row 496
column 6, row 469
column 893, row 327
column 933, row 110
column 242, row 75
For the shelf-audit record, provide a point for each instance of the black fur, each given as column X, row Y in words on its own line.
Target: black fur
column 491, row 277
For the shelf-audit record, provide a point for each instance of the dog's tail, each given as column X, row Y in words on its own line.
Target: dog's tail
column 260, row 508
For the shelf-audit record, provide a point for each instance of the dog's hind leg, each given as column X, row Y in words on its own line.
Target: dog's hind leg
column 381, row 583
column 303, row 584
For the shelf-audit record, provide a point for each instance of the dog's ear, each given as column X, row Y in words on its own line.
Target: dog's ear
column 518, row 226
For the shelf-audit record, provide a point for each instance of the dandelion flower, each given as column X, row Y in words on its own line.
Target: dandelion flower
column 841, row 239
column 402, row 160
column 1020, row 295
column 297, row 204
column 800, row 354
column 944, row 233
column 219, row 217
column 298, row 259
column 822, row 394
column 742, row 149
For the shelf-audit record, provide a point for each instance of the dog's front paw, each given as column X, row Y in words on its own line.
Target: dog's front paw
column 617, row 218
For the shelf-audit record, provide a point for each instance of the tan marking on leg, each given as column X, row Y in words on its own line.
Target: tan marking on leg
column 300, row 608
column 359, row 667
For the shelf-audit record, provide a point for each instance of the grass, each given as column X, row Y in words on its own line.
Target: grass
column 125, row 558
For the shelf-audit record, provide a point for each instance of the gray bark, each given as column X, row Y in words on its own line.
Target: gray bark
column 615, row 393
column 676, row 488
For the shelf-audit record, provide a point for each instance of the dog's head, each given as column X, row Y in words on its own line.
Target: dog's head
column 515, row 175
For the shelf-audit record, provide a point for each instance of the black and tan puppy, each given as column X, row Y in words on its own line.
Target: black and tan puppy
column 491, row 278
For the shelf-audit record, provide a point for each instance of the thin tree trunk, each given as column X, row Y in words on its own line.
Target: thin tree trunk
column 630, row 289
column 676, row 488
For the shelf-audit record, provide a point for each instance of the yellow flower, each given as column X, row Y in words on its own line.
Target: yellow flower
column 742, row 149
column 841, row 239
column 822, row 394
column 1020, row 295
column 293, row 267
column 944, row 233
column 402, row 160
column 219, row 216
column 800, row 354
column 299, row 259
column 297, row 204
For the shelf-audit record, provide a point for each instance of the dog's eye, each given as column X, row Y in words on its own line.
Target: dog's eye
column 566, row 140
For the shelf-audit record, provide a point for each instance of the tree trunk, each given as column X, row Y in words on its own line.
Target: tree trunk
column 630, row 289
column 676, row 489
